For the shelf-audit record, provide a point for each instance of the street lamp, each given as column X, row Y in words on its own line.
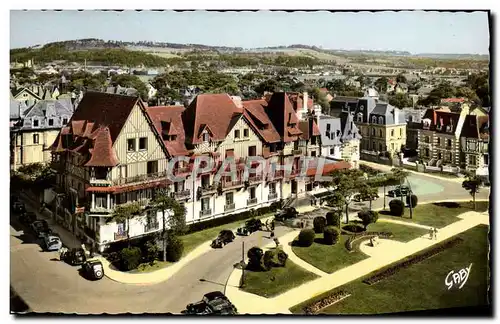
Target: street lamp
column 242, row 281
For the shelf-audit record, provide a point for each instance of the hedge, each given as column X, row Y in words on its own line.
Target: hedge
column 130, row 258
column 195, row 227
column 319, row 224
column 175, row 247
column 355, row 237
column 306, row 237
column 333, row 219
column 397, row 207
column 414, row 200
column 415, row 259
column 325, row 302
column 331, row 235
column 255, row 255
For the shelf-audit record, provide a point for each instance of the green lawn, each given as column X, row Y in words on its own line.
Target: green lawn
column 193, row 240
column 438, row 216
column 422, row 285
column 402, row 233
column 328, row 258
column 146, row 267
column 277, row 280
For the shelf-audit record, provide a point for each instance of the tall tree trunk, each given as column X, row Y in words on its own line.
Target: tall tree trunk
column 400, row 186
column 371, row 204
column 164, row 237
column 347, row 213
column 384, row 196
column 474, row 200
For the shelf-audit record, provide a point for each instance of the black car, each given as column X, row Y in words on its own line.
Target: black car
column 398, row 192
column 41, row 228
column 74, row 257
column 251, row 225
column 225, row 237
column 27, row 218
column 358, row 198
column 286, row 213
column 93, row 269
column 212, row 303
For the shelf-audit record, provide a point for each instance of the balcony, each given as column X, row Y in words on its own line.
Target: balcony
column 207, row 190
column 183, row 194
column 229, row 207
column 101, row 210
column 99, row 182
column 120, row 236
column 151, row 227
column 181, row 171
column 273, row 195
column 233, row 184
column 140, row 178
column 251, row 201
column 205, row 213
column 253, row 179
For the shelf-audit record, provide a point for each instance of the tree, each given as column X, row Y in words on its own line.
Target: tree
column 381, row 84
column 346, row 184
column 176, row 220
column 400, row 100
column 131, row 81
column 368, row 192
column 400, row 78
column 472, row 184
column 320, row 98
column 368, row 217
column 124, row 213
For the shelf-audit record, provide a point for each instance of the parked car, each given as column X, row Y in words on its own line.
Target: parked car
column 212, row 303
column 398, row 192
column 251, row 225
column 93, row 269
column 27, row 218
column 357, row 198
column 41, row 228
column 19, row 207
column 224, row 237
column 286, row 213
column 74, row 256
column 51, row 243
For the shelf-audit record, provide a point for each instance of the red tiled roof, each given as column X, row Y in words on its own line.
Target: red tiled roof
column 453, row 100
column 130, row 187
column 215, row 111
column 254, row 112
column 168, row 121
column 282, row 115
column 328, row 168
column 102, row 154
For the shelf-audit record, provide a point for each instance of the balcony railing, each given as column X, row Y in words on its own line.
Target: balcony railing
column 151, row 227
column 252, row 201
column 273, row 195
column 141, row 178
column 205, row 213
column 228, row 207
column 101, row 210
column 183, row 194
column 181, row 170
column 99, row 182
column 204, row 190
column 120, row 236
column 231, row 184
column 256, row 178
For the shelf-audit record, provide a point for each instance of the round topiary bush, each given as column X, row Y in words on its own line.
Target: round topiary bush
column 319, row 224
column 397, row 207
column 333, row 219
column 414, row 200
column 131, row 258
column 175, row 248
column 282, row 257
column 306, row 237
column 255, row 255
column 331, row 235
column 268, row 260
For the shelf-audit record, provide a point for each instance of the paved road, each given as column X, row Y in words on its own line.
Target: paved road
column 53, row 286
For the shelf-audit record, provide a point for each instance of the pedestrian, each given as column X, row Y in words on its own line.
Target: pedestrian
column 272, row 234
column 267, row 225
column 276, row 241
column 371, row 242
column 272, row 225
column 435, row 233
column 431, row 233
column 62, row 251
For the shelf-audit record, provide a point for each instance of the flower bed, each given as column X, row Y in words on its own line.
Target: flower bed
column 329, row 300
column 355, row 237
column 415, row 259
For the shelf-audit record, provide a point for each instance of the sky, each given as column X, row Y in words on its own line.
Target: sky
column 412, row 31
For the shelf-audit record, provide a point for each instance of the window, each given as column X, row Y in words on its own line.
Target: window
column 236, row 133
column 143, row 143
column 179, row 186
column 485, row 159
column 252, row 151
column 438, row 141
column 123, row 171
column 380, row 120
column 245, row 132
column 205, row 180
column 100, row 201
column 360, row 117
column 131, row 145
column 472, row 160
column 374, row 146
column 35, row 122
column 313, row 140
column 205, row 204
column 373, row 131
column 36, row 138
column 448, row 142
column 426, row 152
column 379, row 133
column 51, row 122
column 380, row 147
column 374, row 120
column 205, row 137
column 65, row 121
column 252, row 193
column 426, row 139
column 229, row 198
column 392, row 132
column 327, row 127
column 401, row 132
column 471, row 145
column 392, row 146
column 332, row 151
column 152, row 167
column 272, row 187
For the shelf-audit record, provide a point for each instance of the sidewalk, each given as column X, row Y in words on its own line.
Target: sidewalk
column 385, row 255
column 69, row 240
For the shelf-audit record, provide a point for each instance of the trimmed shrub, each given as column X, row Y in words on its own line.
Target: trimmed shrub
column 353, row 228
column 397, row 207
column 282, row 257
column 319, row 224
column 331, row 235
column 333, row 219
column 414, row 200
column 130, row 258
column 306, row 237
column 325, row 302
column 175, row 248
column 368, row 217
column 151, row 252
column 255, row 255
column 268, row 260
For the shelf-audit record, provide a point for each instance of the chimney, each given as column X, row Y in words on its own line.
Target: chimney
column 305, row 99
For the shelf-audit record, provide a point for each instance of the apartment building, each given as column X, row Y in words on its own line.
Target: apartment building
column 34, row 128
column 474, row 142
column 115, row 150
